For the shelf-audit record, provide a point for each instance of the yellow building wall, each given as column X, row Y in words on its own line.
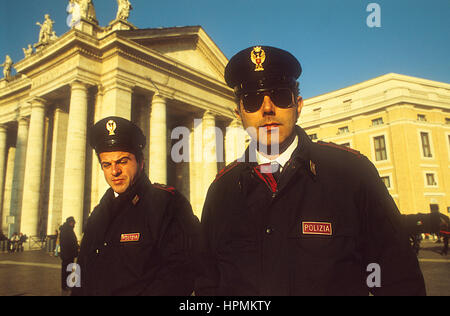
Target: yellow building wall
column 405, row 164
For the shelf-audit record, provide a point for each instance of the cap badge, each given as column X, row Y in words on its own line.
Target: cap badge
column 258, row 57
column 111, row 127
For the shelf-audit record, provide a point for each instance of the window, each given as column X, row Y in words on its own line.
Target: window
column 377, row 121
column 430, row 179
column 447, row 120
column 312, row 136
column 387, row 181
column 343, row 130
column 380, row 148
column 421, row 117
column 426, row 149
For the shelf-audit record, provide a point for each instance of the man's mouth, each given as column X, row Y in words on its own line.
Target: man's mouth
column 270, row 126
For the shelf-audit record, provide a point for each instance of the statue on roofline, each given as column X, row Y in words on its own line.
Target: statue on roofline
column 28, row 51
column 46, row 33
column 7, row 65
column 124, row 8
column 81, row 9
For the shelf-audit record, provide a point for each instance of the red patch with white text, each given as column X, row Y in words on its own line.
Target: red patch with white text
column 130, row 237
column 317, row 228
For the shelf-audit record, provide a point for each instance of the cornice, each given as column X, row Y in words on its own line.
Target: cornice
column 82, row 42
column 372, row 83
column 309, row 120
column 169, row 66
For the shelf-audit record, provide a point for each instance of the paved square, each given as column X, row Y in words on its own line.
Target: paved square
column 37, row 273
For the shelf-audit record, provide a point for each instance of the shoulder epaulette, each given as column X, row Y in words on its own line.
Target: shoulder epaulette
column 226, row 169
column 164, row 187
column 342, row 147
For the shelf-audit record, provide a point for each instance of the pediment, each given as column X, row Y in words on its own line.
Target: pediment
column 189, row 45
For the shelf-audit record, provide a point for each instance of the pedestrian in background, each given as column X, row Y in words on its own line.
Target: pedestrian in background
column 14, row 241
column 22, row 239
column 3, row 241
column 58, row 239
column 69, row 249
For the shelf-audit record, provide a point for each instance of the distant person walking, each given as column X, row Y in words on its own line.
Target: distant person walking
column 3, row 241
column 57, row 246
column 444, row 232
column 69, row 249
column 14, row 242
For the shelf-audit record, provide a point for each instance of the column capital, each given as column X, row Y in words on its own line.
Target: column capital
column 208, row 115
column 38, row 102
column 23, row 120
column 157, row 97
column 235, row 123
column 116, row 84
column 77, row 84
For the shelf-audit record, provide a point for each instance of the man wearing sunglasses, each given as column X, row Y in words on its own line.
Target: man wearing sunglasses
column 294, row 217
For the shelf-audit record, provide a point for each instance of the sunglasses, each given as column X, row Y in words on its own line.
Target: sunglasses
column 281, row 97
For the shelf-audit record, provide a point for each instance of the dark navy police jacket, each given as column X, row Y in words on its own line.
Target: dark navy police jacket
column 318, row 231
column 140, row 243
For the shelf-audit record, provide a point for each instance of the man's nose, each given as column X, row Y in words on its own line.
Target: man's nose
column 116, row 170
column 268, row 106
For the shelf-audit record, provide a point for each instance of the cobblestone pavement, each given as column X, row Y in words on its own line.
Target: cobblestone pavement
column 35, row 273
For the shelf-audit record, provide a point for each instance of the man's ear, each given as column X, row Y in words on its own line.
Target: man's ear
column 142, row 163
column 237, row 113
column 299, row 106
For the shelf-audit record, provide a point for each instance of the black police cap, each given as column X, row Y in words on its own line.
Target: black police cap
column 261, row 67
column 115, row 133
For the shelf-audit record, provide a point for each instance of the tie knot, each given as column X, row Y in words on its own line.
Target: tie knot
column 270, row 167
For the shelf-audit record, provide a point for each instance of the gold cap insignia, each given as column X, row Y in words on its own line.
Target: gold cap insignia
column 111, row 127
column 258, row 57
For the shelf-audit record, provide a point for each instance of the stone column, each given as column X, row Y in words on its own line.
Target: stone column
column 7, row 191
column 196, row 167
column 18, row 174
column 209, row 150
column 116, row 100
column 98, row 183
column 33, row 170
column 3, row 155
column 235, row 141
column 203, row 166
column 158, row 141
column 60, row 120
column 75, row 160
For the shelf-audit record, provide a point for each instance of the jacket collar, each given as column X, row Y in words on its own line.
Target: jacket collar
column 302, row 152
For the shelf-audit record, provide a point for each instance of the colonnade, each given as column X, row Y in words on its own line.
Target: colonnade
column 69, row 156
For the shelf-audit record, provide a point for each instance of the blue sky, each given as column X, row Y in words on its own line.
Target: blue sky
column 330, row 37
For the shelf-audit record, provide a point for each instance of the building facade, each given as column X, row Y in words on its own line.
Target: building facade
column 160, row 79
column 402, row 124
column 169, row 81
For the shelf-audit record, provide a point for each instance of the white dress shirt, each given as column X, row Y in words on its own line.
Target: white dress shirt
column 282, row 159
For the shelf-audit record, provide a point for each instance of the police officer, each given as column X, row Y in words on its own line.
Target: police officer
column 295, row 217
column 140, row 239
